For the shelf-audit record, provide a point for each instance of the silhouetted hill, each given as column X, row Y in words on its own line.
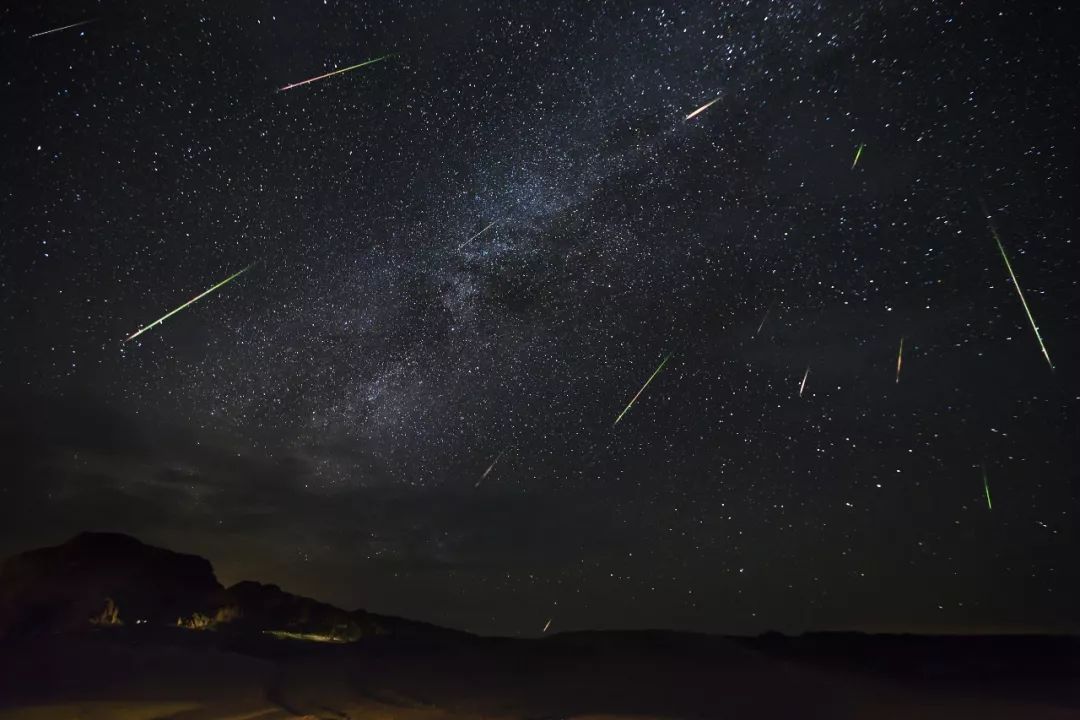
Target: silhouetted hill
column 109, row 579
column 269, row 654
column 269, row 608
column 105, row 577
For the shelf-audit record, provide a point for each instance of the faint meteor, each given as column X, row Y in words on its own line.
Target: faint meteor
column 1016, row 283
column 858, row 154
column 165, row 317
column 986, row 488
column 489, row 468
column 332, row 73
column 802, row 385
column 634, row 399
column 899, row 359
column 65, row 27
column 489, row 226
column 703, row 108
column 547, row 625
column 763, row 318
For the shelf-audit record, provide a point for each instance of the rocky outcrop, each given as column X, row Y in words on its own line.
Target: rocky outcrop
column 104, row 579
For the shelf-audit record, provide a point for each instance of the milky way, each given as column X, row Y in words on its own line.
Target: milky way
column 477, row 247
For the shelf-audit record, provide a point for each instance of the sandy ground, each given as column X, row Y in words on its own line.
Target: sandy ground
column 101, row 679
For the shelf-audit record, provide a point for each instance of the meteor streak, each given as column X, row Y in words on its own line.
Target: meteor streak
column 986, row 488
column 489, row 469
column 634, row 399
column 763, row 318
column 165, row 317
column 802, row 385
column 702, row 109
column 547, row 625
column 899, row 359
column 489, row 226
column 1023, row 301
column 858, row 154
column 65, row 27
column 332, row 73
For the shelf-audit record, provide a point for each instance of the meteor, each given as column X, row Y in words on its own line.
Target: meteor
column 899, row 359
column 65, row 27
column 331, row 74
column 489, row 226
column 1016, row 283
column 634, row 399
column 858, row 154
column 802, row 385
column 702, row 109
column 986, row 488
column 165, row 317
column 546, row 626
column 489, row 469
column 763, row 318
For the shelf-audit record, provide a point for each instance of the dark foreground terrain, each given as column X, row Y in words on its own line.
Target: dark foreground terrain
column 68, row 651
column 143, row 674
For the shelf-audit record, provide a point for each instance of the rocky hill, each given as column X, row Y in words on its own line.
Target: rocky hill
column 108, row 579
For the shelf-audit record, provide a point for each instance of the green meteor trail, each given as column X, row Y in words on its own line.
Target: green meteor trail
column 332, row 73
column 986, row 488
column 1016, row 283
column 858, row 154
column 634, row 400
column 165, row 317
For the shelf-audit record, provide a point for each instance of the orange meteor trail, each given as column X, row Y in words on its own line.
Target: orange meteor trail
column 899, row 359
column 702, row 109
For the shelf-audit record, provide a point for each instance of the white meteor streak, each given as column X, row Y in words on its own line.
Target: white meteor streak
column 489, row 226
column 547, row 625
column 1016, row 284
column 65, row 27
column 489, row 468
column 703, row 108
column 763, row 319
column 802, row 385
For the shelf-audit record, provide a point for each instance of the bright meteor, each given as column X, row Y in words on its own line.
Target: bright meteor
column 899, row 359
column 802, row 385
column 634, row 399
column 489, row 468
column 65, row 27
column 858, row 154
column 165, row 317
column 986, row 488
column 1016, row 283
column 331, row 74
column 703, row 108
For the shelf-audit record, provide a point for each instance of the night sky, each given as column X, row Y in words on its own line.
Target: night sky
column 325, row 420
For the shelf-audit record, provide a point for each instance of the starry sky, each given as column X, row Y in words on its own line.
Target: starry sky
column 325, row 420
